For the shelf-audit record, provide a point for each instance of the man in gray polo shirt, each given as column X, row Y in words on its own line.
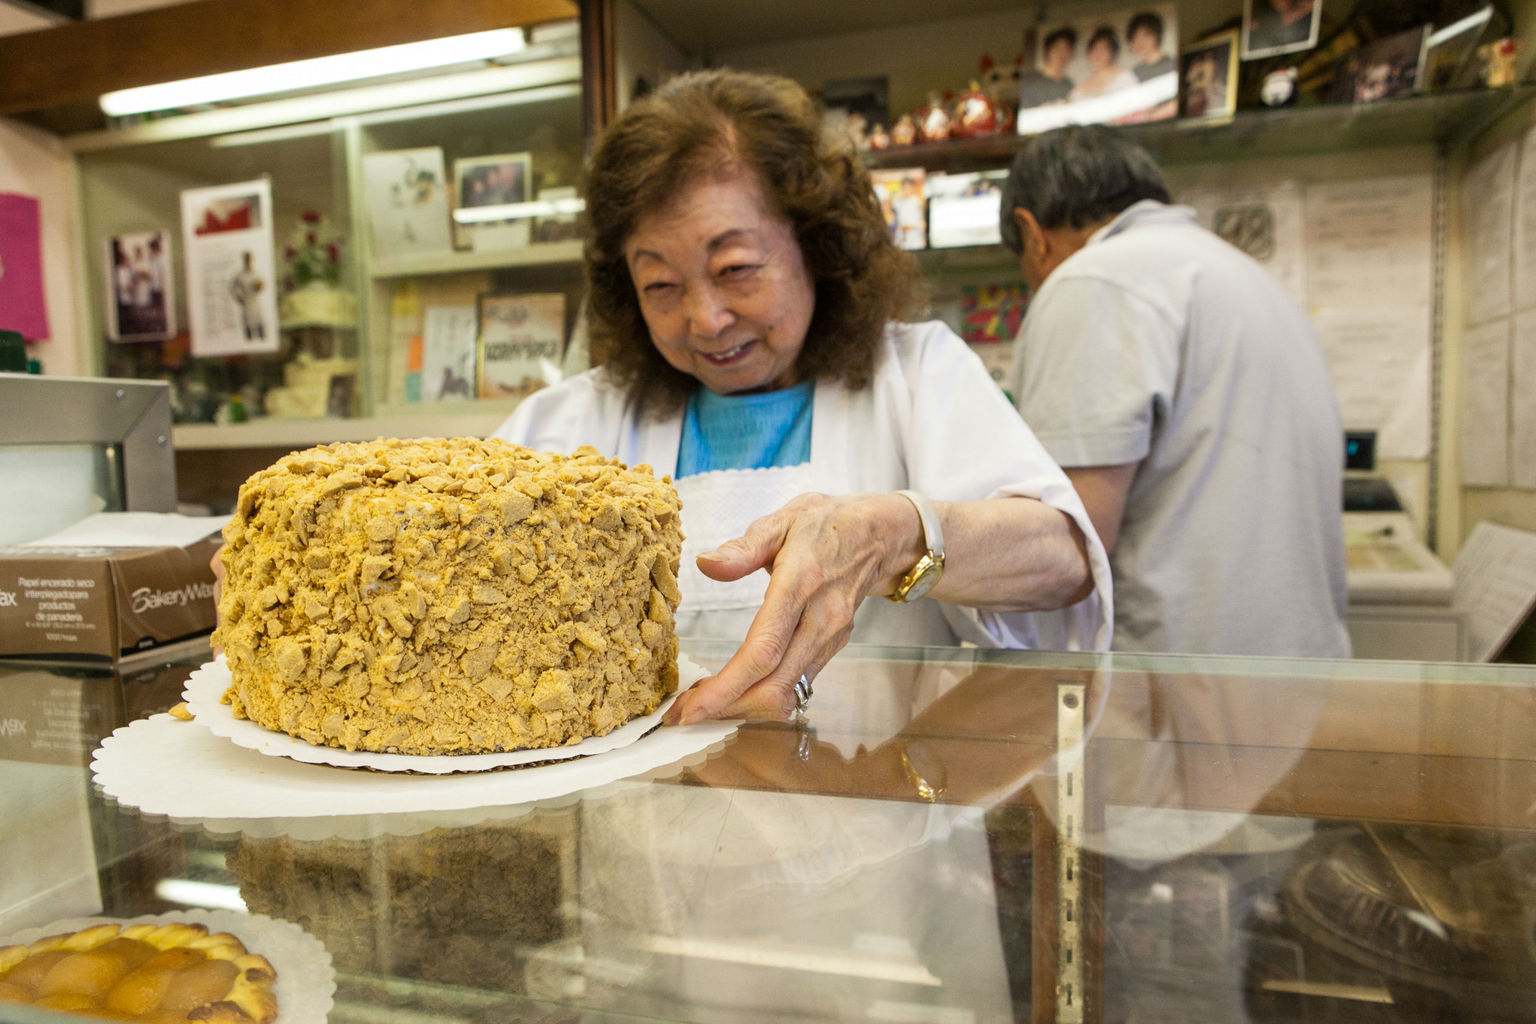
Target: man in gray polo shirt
column 1186, row 395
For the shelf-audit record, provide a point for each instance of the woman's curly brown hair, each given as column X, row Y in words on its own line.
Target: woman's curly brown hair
column 711, row 124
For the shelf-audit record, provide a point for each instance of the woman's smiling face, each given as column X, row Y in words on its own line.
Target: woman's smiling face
column 723, row 285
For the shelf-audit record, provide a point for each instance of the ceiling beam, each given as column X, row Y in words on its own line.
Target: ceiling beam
column 70, row 64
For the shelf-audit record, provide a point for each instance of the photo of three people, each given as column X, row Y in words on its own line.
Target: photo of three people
column 1117, row 66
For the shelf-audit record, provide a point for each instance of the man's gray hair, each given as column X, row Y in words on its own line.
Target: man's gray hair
column 1077, row 176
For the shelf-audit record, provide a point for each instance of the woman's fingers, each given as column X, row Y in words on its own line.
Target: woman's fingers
column 756, row 549
column 806, row 617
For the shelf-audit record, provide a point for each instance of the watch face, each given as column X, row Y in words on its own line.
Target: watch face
column 924, row 582
column 924, row 575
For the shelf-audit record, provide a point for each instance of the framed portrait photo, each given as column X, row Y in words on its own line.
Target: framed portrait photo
column 140, row 297
column 1272, row 27
column 1208, row 78
column 483, row 182
column 1107, row 63
column 1381, row 70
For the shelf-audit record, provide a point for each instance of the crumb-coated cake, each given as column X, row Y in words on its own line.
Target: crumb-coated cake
column 143, row 972
column 449, row 596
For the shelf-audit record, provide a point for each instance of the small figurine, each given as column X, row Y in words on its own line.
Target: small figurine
column 975, row 114
column 932, row 121
column 879, row 138
column 1499, row 62
column 904, row 131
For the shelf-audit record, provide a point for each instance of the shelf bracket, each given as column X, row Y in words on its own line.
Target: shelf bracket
column 1071, row 711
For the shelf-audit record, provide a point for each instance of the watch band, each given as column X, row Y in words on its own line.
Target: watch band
column 933, row 533
column 930, row 567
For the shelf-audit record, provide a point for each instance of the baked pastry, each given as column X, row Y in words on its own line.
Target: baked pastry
column 449, row 596
column 142, row 972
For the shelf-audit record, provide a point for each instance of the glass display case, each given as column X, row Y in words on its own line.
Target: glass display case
column 372, row 281
column 945, row 835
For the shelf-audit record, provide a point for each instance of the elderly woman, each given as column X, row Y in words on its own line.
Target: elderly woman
column 742, row 290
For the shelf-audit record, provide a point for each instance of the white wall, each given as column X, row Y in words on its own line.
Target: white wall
column 35, row 163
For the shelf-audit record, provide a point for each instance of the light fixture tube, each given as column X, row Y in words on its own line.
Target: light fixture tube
column 317, row 71
column 518, row 211
column 1456, row 28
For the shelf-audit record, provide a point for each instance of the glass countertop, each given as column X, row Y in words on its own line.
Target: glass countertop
column 947, row 835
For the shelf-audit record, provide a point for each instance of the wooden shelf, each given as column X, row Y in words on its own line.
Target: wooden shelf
column 543, row 254
column 458, row 419
column 1443, row 120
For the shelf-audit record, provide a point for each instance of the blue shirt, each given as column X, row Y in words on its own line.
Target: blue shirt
column 756, row 431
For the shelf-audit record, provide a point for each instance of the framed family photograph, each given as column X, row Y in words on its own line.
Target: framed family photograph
column 1105, row 64
column 1208, row 78
column 140, row 301
column 1273, row 27
column 480, row 182
column 1382, row 69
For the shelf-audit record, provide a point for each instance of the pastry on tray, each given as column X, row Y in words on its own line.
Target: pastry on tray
column 157, row 973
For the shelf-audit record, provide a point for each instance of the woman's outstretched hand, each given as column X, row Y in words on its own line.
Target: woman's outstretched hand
column 824, row 555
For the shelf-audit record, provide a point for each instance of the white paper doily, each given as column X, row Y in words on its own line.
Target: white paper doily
column 163, row 765
column 206, row 685
column 306, row 982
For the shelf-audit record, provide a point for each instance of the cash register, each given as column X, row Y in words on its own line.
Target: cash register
column 1400, row 592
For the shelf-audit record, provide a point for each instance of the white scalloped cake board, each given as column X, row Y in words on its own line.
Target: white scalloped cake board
column 180, row 769
column 206, row 685
column 306, row 982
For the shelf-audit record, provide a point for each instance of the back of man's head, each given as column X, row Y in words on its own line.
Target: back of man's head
column 1075, row 177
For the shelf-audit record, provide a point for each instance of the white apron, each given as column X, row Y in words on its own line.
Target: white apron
column 719, row 506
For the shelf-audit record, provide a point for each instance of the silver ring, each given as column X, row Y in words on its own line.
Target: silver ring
column 802, row 692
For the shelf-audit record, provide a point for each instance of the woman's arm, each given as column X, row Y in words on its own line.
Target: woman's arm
column 826, row 554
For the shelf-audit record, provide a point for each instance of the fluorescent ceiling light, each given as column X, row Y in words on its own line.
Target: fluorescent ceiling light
column 318, row 71
column 1456, row 28
column 518, row 211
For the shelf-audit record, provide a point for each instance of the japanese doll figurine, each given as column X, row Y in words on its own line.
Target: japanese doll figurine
column 933, row 121
column 975, row 114
column 904, row 131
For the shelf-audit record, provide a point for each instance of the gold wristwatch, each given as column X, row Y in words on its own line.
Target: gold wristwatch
column 922, row 576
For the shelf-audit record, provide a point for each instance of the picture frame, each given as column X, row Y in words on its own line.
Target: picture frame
column 962, row 208
column 228, row 250
column 496, row 180
column 406, row 195
column 141, row 304
column 448, row 343
column 1208, row 78
column 1112, row 63
column 558, row 227
column 1272, row 27
column 860, row 105
column 1385, row 68
column 903, row 201
column 522, row 342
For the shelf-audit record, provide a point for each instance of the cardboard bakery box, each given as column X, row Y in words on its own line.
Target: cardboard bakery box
column 114, row 583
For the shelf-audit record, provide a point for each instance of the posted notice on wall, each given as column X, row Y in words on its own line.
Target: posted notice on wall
column 1370, row 289
column 1267, row 223
column 231, row 286
column 1488, row 206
